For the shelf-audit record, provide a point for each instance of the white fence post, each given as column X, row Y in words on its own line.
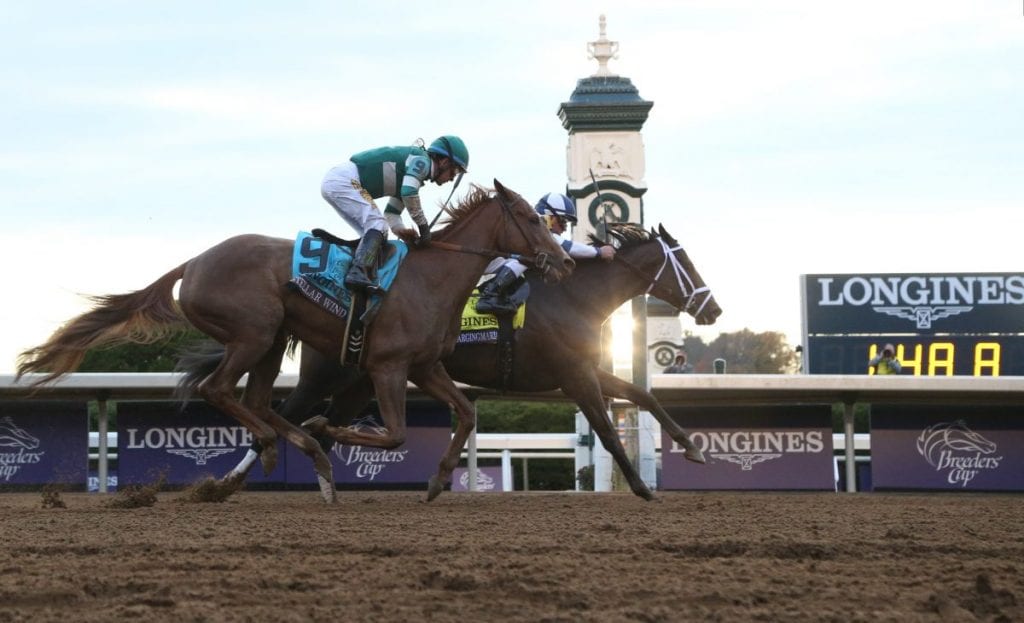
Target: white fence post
column 507, row 482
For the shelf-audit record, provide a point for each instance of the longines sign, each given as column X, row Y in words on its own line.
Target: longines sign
column 157, row 439
column 764, row 447
column 914, row 303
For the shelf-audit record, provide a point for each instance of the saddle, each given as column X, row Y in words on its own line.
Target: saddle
column 387, row 251
column 320, row 261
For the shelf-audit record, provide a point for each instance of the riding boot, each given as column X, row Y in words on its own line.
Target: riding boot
column 494, row 293
column 362, row 274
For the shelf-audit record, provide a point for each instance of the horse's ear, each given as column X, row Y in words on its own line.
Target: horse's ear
column 665, row 235
column 498, row 186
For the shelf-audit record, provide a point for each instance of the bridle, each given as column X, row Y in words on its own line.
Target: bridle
column 683, row 280
column 539, row 259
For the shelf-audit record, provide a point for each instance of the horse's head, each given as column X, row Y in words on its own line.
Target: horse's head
column 524, row 232
column 670, row 274
column 504, row 221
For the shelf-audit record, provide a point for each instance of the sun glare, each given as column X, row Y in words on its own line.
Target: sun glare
column 622, row 339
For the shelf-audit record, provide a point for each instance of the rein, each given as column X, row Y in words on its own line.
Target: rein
column 540, row 259
column 691, row 293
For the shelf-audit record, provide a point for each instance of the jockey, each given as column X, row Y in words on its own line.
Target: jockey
column 557, row 211
column 395, row 172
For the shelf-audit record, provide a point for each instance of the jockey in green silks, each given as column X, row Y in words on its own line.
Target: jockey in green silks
column 395, row 172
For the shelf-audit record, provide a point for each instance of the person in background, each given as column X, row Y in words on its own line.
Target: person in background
column 558, row 211
column 395, row 172
column 679, row 366
column 885, row 362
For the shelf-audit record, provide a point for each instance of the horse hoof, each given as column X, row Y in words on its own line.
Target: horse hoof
column 327, row 490
column 269, row 458
column 232, row 481
column 316, row 424
column 694, row 454
column 434, row 488
column 646, row 494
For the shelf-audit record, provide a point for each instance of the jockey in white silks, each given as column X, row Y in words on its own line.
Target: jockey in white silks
column 557, row 210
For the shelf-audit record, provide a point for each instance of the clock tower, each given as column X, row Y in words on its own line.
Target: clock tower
column 605, row 155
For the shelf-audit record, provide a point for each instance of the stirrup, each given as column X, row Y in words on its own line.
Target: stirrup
column 495, row 305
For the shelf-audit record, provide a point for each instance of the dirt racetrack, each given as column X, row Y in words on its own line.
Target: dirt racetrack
column 515, row 557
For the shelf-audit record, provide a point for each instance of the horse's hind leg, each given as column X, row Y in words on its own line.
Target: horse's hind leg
column 317, row 377
column 391, row 400
column 436, row 382
column 615, row 387
column 258, row 395
column 586, row 391
column 218, row 389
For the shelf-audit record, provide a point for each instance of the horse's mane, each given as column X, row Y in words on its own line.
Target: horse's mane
column 628, row 235
column 477, row 195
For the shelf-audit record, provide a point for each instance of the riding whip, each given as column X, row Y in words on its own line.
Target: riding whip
column 600, row 199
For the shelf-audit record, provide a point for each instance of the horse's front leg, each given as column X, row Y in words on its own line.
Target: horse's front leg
column 435, row 381
column 615, row 387
column 585, row 390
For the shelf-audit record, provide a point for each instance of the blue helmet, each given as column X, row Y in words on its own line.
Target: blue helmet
column 451, row 146
column 557, row 204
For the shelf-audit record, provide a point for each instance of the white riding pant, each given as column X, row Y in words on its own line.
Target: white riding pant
column 341, row 188
column 513, row 264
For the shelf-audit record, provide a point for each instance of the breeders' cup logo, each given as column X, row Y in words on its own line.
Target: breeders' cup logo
column 198, row 443
column 957, row 451
column 923, row 300
column 368, row 462
column 21, row 443
column 747, row 449
column 484, row 482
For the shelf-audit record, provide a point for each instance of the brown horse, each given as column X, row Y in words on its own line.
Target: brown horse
column 557, row 348
column 236, row 293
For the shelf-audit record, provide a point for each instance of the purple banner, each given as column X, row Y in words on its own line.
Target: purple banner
column 157, row 438
column 487, row 479
column 412, row 464
column 947, row 447
column 44, row 442
column 750, row 448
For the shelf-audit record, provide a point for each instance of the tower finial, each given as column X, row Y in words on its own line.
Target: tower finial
column 602, row 50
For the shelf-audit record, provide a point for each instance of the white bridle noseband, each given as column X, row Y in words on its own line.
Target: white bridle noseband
column 688, row 289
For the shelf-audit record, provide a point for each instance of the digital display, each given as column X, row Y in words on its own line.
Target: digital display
column 960, row 355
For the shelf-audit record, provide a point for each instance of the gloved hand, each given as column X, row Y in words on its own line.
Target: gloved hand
column 424, row 239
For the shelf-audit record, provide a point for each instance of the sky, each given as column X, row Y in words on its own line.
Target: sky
column 786, row 137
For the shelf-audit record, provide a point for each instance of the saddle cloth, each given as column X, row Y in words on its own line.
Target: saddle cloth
column 480, row 328
column 319, row 269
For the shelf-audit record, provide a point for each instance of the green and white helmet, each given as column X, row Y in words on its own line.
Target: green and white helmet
column 451, row 146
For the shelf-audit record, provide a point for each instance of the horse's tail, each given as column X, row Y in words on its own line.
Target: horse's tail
column 141, row 317
column 196, row 364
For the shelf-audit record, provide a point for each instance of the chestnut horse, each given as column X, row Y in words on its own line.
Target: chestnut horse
column 236, row 292
column 559, row 347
